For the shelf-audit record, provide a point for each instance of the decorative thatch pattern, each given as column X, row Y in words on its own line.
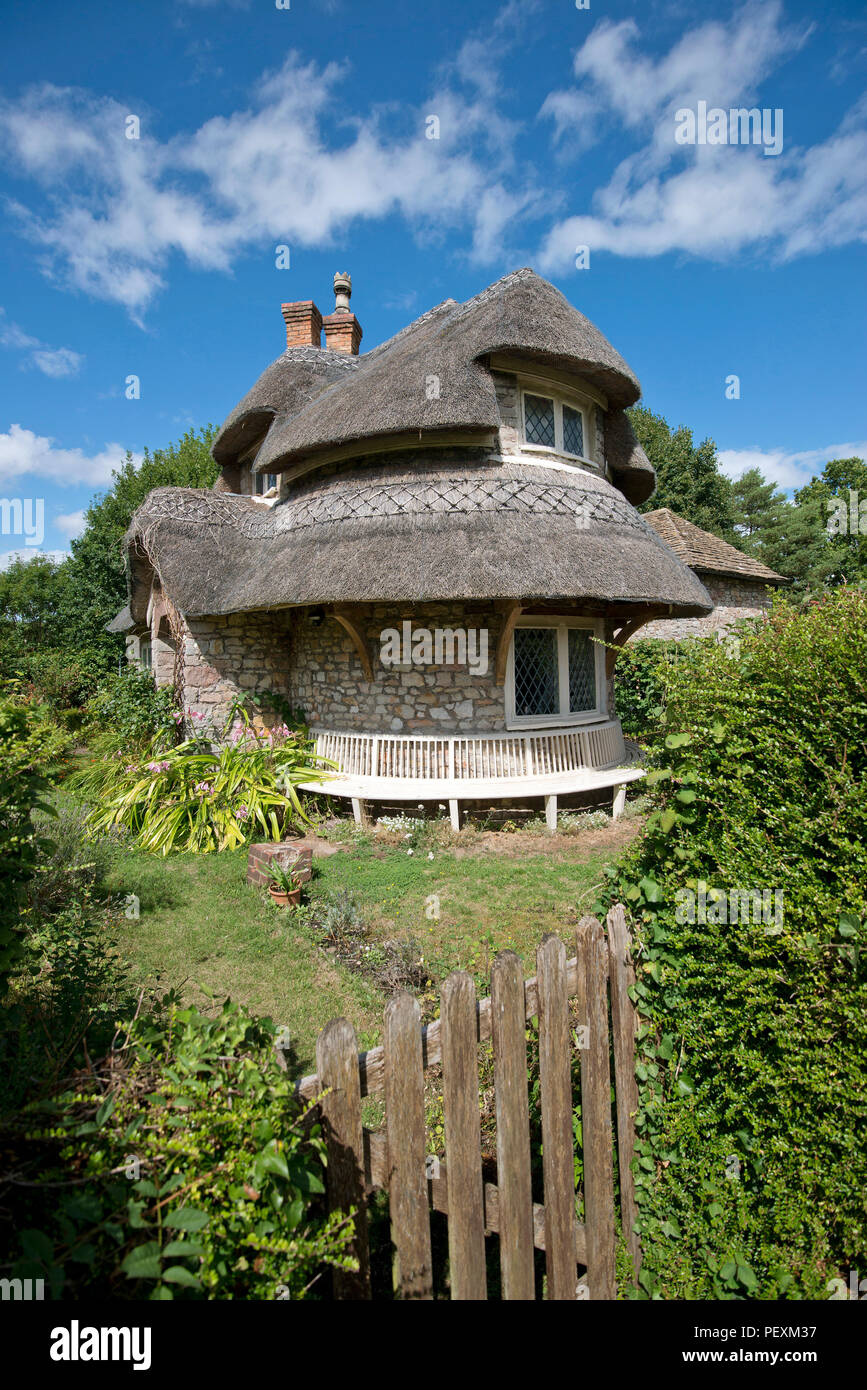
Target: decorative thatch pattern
column 421, row 532
column 705, row 553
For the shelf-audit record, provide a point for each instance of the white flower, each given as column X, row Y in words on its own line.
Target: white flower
column 409, row 851
column 430, row 854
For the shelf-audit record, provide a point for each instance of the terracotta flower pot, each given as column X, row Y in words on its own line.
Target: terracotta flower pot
column 282, row 899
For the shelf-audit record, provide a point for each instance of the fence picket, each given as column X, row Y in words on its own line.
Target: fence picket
column 596, row 1110
column 513, row 1127
column 623, row 1021
column 405, row 1125
column 463, row 1137
column 555, row 1079
column 337, row 1065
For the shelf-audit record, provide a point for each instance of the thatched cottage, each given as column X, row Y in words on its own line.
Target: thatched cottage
column 739, row 585
column 423, row 547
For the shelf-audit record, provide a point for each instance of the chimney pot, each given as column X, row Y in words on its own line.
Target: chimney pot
column 342, row 329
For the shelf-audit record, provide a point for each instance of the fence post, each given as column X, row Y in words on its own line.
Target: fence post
column 596, row 1110
column 555, row 1082
column 405, row 1124
column 623, row 1023
column 463, row 1138
column 513, row 1127
column 337, row 1065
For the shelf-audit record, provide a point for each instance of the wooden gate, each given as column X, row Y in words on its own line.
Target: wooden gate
column 394, row 1158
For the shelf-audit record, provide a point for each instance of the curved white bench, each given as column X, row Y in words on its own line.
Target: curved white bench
column 419, row 768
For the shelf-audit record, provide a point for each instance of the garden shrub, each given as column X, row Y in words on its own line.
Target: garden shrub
column 639, row 684
column 31, row 746
column 182, row 1168
column 130, row 712
column 201, row 797
column 753, row 1056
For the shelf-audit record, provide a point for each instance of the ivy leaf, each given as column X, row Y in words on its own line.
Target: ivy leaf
column 187, row 1219
column 848, row 924
column 651, row 890
column 143, row 1262
column 183, row 1247
column 176, row 1274
column 685, row 1086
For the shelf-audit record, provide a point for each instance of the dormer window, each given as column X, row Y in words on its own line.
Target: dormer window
column 264, row 482
column 552, row 422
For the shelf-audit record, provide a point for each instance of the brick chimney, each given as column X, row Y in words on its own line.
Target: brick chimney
column 303, row 324
column 342, row 329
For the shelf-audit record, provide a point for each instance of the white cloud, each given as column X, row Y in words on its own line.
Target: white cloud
column 9, row 557
column 72, row 524
column 785, row 469
column 112, row 212
column 706, row 200
column 24, row 454
column 54, row 362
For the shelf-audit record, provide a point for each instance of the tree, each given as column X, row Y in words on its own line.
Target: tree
column 96, row 587
column 31, row 597
column 817, row 540
column 688, row 478
column 757, row 506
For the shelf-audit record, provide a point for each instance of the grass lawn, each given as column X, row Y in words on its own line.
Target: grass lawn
column 203, row 931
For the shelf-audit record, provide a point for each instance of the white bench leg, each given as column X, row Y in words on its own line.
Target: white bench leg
column 619, row 801
column 358, row 810
column 454, row 815
column 551, row 812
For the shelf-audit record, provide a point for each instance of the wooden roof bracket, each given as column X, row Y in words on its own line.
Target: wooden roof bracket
column 512, row 612
column 349, row 625
column 622, row 636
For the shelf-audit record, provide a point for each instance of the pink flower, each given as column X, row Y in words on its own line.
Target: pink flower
column 132, row 768
column 242, row 813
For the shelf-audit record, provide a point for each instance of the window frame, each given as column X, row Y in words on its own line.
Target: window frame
column 263, row 477
column 558, row 399
column 146, row 645
column 560, row 720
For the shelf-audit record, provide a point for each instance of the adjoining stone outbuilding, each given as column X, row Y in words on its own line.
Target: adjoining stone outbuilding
column 739, row 585
column 424, row 547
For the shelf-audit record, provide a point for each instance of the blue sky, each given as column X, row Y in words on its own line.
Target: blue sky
column 306, row 127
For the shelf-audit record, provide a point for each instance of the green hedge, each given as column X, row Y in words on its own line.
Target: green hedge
column 753, row 1071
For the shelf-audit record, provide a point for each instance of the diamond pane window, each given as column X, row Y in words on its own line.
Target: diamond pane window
column 573, row 431
column 537, row 686
column 582, row 671
column 539, row 420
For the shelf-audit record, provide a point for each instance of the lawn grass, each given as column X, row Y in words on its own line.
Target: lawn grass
column 467, row 903
column 204, row 932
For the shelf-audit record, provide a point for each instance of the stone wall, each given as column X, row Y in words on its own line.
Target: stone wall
column 733, row 599
column 242, row 654
column 328, row 683
column 315, row 666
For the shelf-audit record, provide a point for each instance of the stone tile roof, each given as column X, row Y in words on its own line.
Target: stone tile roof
column 706, row 553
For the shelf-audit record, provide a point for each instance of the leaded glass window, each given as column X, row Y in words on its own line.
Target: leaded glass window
column 582, row 671
column 573, row 431
column 554, row 672
column 537, row 679
column 539, row 420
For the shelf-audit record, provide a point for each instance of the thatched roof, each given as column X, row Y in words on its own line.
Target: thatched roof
column 706, row 553
column 312, row 399
column 419, row 526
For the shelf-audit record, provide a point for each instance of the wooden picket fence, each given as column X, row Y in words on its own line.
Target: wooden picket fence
column 394, row 1157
